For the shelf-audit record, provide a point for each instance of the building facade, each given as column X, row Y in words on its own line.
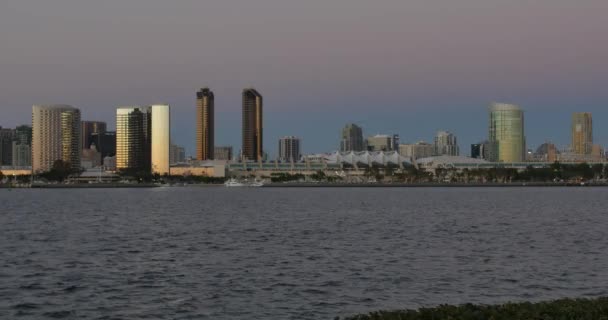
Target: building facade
column 352, row 138
column 289, row 149
column 205, row 124
column 582, row 133
column 253, row 128
column 133, row 138
column 105, row 143
column 480, row 150
column 161, row 138
column 506, row 133
column 446, row 144
column 382, row 142
column 88, row 128
column 223, row 153
column 7, row 136
column 55, row 136
column 177, row 154
column 416, row 150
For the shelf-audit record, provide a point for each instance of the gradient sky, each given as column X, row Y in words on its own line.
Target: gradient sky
column 394, row 66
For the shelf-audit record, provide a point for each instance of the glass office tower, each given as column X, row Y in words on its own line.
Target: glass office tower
column 133, row 138
column 506, row 133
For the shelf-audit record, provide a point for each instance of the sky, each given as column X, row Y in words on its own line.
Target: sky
column 410, row 67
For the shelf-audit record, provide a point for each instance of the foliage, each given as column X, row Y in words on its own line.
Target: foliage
column 60, row 171
column 571, row 309
column 285, row 177
column 139, row 175
column 190, row 179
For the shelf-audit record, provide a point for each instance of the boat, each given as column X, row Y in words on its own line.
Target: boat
column 256, row 184
column 233, row 183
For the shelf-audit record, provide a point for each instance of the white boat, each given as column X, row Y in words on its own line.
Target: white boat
column 256, row 184
column 233, row 183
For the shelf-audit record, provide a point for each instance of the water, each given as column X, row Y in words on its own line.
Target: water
column 217, row 253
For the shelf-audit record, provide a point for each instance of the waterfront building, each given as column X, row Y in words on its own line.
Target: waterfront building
column 133, row 138
column 382, row 142
column 480, row 150
column 597, row 153
column 352, row 138
column 109, row 163
column 55, row 136
column 177, row 154
column 161, row 138
column 416, row 150
column 253, row 126
column 16, row 146
column 506, row 133
column 446, row 144
column 582, row 133
column 22, row 155
column 205, row 124
column 88, row 128
column 289, row 149
column 223, row 153
column 7, row 136
column 105, row 142
column 546, row 152
column 91, row 158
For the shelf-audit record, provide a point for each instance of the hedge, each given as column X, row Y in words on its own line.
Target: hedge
column 564, row 309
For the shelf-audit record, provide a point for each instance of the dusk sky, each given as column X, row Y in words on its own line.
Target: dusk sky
column 410, row 67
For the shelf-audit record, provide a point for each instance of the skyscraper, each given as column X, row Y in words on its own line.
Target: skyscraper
column 133, row 138
column 352, row 138
column 105, row 143
column 88, row 128
column 506, row 133
column 55, row 136
column 161, row 138
column 253, row 138
column 6, row 146
column 223, row 153
column 205, row 124
column 446, row 144
column 582, row 133
column 289, row 149
column 22, row 147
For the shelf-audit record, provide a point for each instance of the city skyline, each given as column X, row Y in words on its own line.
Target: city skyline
column 274, row 153
column 410, row 68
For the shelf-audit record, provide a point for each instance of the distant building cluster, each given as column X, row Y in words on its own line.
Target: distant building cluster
column 142, row 142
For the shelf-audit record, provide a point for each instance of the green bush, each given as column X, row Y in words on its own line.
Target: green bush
column 564, row 309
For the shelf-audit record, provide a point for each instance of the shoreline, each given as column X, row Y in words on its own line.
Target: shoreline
column 310, row 185
column 430, row 185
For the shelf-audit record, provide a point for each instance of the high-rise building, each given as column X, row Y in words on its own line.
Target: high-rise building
column 253, row 138
column 55, row 136
column 289, row 149
column 506, row 133
column 352, row 138
column 161, row 138
column 88, row 128
column 582, row 133
column 417, row 150
column 223, row 153
column 133, row 138
column 105, row 142
column 382, row 142
column 20, row 147
column 22, row 155
column 177, row 155
column 480, row 150
column 446, row 144
column 205, row 124
column 7, row 136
